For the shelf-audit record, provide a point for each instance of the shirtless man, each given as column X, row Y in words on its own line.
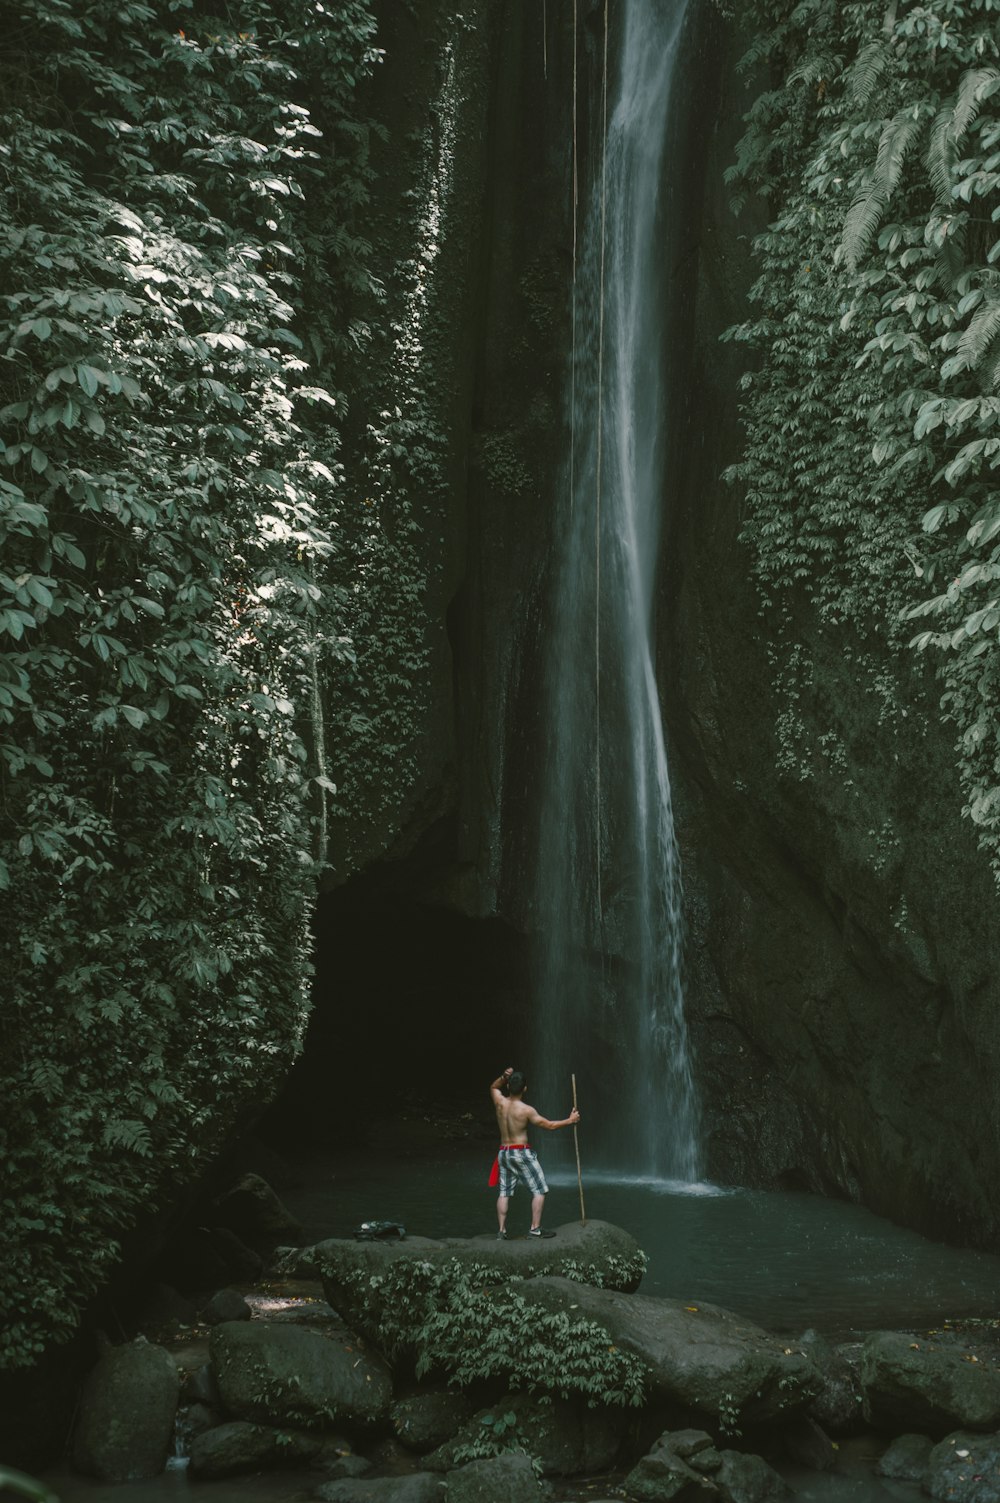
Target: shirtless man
column 516, row 1159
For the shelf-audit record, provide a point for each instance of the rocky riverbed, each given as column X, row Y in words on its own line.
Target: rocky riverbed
column 339, row 1368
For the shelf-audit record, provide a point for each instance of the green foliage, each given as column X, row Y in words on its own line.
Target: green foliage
column 178, row 192
column 729, row 1415
column 614, row 1272
column 872, row 419
column 377, row 706
column 505, row 469
column 497, row 1436
column 462, row 1324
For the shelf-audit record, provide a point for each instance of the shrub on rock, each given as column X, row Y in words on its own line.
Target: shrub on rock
column 563, row 1436
column 454, row 1320
column 699, row 1357
column 598, row 1254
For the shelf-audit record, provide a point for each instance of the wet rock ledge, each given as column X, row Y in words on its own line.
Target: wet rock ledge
column 593, row 1252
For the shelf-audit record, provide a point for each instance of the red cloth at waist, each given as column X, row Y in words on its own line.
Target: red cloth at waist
column 504, row 1148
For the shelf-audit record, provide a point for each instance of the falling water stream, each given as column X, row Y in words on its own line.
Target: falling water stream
column 608, row 899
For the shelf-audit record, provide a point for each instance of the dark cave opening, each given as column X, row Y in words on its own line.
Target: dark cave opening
column 411, row 1001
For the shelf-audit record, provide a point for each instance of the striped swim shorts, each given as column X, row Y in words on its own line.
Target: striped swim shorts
column 521, row 1164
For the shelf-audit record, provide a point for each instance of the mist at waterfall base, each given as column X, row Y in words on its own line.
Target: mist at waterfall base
column 607, row 902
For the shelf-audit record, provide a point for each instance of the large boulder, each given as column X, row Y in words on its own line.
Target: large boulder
column 347, row 1466
column 201, row 1387
column 501, row 1479
column 699, row 1357
column 126, row 1416
column 837, row 1405
column 241, row 1446
column 565, row 1436
column 274, row 1373
column 665, row 1477
column 229, row 1449
column 418, row 1487
column 684, row 1467
column 743, row 1478
column 921, row 1385
column 906, row 1458
column 597, row 1253
column 964, row 1468
column 252, row 1210
column 808, row 1444
column 426, row 1420
column 226, row 1304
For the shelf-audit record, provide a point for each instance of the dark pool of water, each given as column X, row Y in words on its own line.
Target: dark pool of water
column 785, row 1260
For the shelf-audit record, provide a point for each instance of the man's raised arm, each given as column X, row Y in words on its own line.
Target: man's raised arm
column 495, row 1090
column 540, row 1121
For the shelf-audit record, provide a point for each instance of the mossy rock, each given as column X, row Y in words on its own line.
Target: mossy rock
column 596, row 1253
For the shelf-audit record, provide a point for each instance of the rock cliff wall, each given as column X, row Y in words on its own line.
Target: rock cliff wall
column 843, row 936
column 843, row 926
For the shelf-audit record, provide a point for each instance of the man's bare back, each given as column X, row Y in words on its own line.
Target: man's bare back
column 513, row 1118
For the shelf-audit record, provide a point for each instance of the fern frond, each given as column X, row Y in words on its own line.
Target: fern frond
column 942, row 153
column 972, row 91
column 816, row 69
column 867, row 69
column 952, row 123
column 978, row 342
column 950, row 262
column 894, row 145
column 991, row 368
column 871, row 201
column 861, row 222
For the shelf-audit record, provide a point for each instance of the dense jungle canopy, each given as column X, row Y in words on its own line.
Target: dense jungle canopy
column 220, row 462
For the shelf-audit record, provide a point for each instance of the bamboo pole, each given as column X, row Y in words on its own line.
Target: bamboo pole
column 576, row 1145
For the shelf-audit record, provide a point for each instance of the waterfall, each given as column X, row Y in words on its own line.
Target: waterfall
column 607, row 902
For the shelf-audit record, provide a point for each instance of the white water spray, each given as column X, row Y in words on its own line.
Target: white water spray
column 608, row 901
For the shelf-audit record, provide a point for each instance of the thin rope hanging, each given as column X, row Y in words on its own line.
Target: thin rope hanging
column 597, row 498
column 572, row 358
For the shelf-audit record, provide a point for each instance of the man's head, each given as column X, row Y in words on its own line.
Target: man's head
column 516, row 1084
